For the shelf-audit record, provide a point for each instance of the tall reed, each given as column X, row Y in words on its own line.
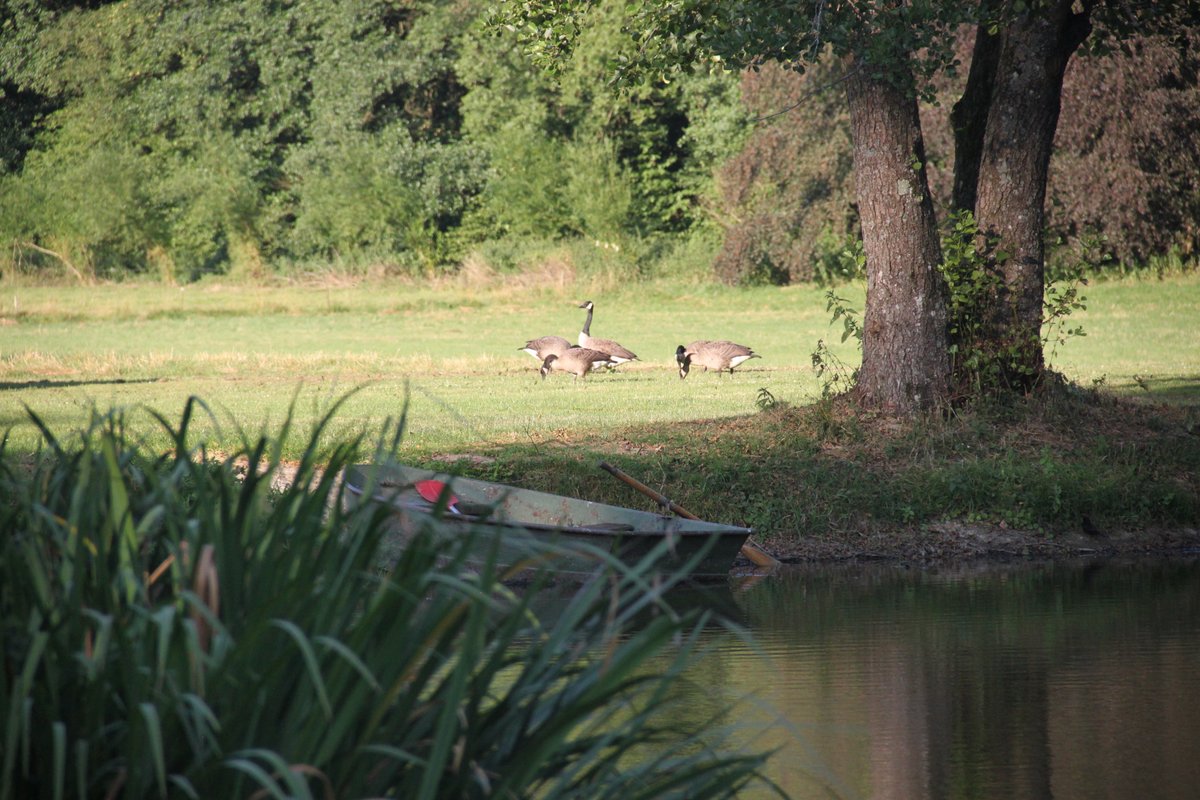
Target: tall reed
column 177, row 626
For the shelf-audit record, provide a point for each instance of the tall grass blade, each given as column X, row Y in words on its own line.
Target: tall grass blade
column 121, row 521
column 200, row 724
column 184, row 785
column 16, row 728
column 290, row 774
column 48, row 437
column 447, row 729
column 40, row 580
column 260, row 776
column 310, row 661
column 164, row 622
column 154, row 737
column 82, row 750
column 351, row 658
column 421, row 678
column 59, row 735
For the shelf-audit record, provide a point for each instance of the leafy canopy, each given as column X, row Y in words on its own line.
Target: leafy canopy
column 669, row 37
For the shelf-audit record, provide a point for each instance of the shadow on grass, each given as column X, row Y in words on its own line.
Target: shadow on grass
column 48, row 384
column 1183, row 390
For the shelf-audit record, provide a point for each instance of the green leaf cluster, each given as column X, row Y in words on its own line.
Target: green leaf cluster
column 972, row 266
column 191, row 138
column 194, row 138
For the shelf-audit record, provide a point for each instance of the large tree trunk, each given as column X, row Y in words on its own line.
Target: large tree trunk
column 969, row 117
column 906, row 363
column 1013, row 170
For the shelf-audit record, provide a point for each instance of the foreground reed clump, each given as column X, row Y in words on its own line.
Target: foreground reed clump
column 174, row 626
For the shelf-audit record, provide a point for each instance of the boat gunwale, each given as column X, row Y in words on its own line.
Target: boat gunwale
column 680, row 526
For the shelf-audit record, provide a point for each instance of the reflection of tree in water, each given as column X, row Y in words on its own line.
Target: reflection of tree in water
column 1023, row 681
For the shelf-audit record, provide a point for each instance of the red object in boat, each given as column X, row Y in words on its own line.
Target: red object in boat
column 432, row 490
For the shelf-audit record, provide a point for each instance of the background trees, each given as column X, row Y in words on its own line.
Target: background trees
column 260, row 137
column 1128, row 130
column 786, row 199
column 194, row 138
column 1004, row 126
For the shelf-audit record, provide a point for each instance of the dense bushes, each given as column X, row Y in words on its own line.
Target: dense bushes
column 194, row 138
column 243, row 137
column 1127, row 165
column 788, row 196
column 1125, row 176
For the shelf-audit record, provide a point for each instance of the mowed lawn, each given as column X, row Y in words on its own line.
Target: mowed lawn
column 452, row 354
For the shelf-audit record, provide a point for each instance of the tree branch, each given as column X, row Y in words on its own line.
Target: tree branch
column 805, row 96
column 66, row 261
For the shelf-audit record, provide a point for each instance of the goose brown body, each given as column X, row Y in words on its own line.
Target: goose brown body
column 719, row 355
column 546, row 345
column 578, row 361
column 619, row 353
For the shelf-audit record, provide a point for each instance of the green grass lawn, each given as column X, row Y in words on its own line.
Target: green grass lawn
column 1142, row 338
column 251, row 352
column 454, row 354
column 1126, row 457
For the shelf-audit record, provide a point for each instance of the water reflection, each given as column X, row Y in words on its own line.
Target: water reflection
column 1014, row 682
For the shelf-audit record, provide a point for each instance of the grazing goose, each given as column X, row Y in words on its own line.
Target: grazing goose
column 619, row 354
column 578, row 361
column 541, row 347
column 720, row 355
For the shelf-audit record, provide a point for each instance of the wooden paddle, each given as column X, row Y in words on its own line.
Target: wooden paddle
column 750, row 550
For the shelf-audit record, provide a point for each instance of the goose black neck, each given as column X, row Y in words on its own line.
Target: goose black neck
column 587, row 325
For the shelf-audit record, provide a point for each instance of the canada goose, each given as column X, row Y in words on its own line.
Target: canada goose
column 619, row 353
column 719, row 355
column 543, row 346
column 578, row 361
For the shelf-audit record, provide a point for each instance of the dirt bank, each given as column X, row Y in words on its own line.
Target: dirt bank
column 960, row 542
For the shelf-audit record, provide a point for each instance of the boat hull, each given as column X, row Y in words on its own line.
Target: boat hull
column 513, row 526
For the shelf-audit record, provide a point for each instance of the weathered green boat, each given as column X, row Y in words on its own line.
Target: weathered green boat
column 514, row 526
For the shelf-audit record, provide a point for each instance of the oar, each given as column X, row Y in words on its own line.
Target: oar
column 750, row 550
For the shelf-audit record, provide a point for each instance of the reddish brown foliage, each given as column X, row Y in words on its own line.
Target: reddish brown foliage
column 1127, row 160
column 1126, row 164
column 788, row 197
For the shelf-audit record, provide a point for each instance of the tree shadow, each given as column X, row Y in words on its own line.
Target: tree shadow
column 1183, row 390
column 48, row 384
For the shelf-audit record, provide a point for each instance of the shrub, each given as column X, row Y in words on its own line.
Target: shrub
column 790, row 189
column 983, row 360
column 1127, row 153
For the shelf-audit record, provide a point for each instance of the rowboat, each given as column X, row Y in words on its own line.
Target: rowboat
column 512, row 525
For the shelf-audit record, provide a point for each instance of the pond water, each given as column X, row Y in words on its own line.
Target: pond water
column 1016, row 682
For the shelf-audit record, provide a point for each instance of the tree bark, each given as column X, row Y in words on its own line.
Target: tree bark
column 906, row 364
column 1013, row 171
column 968, row 119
